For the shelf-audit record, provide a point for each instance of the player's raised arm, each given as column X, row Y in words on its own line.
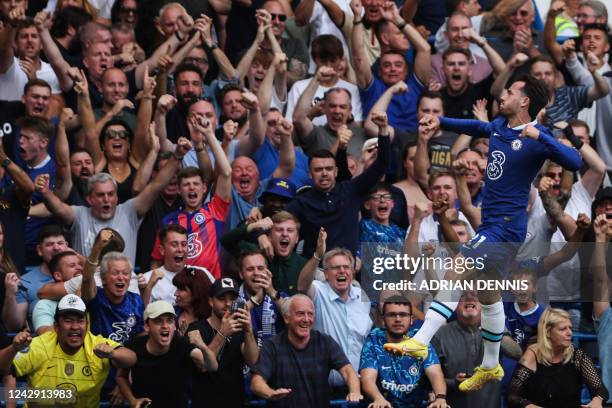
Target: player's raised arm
column 470, row 127
column 568, row 157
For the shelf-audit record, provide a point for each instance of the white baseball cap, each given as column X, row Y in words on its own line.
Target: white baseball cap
column 158, row 308
column 71, row 304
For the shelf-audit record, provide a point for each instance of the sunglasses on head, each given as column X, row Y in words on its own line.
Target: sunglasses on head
column 280, row 17
column 116, row 134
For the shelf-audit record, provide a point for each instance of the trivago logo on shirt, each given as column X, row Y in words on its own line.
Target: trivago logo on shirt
column 393, row 386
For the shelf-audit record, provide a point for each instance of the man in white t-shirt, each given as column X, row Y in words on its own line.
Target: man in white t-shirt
column 174, row 248
column 326, row 52
column 563, row 283
column 104, row 211
column 21, row 63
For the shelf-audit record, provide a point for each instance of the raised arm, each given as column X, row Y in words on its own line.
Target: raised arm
column 286, row 162
column 301, row 121
column 58, row 208
column 164, row 104
column 496, row 61
column 224, row 171
column 13, row 313
column 600, row 87
column 309, row 270
column 147, row 197
column 142, row 142
column 247, row 59
column 567, row 157
column 421, row 158
column 471, row 212
column 381, row 105
column 226, row 68
column 303, row 12
column 185, row 24
column 553, row 209
column 88, row 119
column 571, row 246
column 334, row 11
column 364, row 182
column 52, row 52
column 601, row 297
column 550, row 32
column 592, row 178
column 502, row 79
column 468, row 126
column 257, row 126
column 363, row 71
column 143, row 175
column 63, row 176
column 422, row 59
column 88, row 285
column 7, row 37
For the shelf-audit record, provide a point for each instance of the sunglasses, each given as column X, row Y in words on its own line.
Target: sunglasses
column 280, row 17
column 522, row 13
column 116, row 134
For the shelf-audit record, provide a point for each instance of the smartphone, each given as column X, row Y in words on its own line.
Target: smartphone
column 239, row 303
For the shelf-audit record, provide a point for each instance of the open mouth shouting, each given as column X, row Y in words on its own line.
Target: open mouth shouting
column 165, row 335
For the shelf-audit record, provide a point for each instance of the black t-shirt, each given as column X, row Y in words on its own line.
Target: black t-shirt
column 305, row 371
column 225, row 387
column 13, row 216
column 460, row 106
column 440, row 151
column 10, row 111
column 148, row 230
column 163, row 378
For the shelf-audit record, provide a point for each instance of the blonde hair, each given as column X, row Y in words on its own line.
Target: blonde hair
column 544, row 349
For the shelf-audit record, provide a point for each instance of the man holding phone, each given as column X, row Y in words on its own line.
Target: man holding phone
column 228, row 333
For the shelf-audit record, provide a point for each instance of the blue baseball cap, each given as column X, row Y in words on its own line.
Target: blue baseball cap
column 281, row 187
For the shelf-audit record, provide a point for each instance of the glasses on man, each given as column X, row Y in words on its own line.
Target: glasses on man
column 381, row 197
column 128, row 10
column 116, row 134
column 395, row 315
column 195, row 60
column 280, row 17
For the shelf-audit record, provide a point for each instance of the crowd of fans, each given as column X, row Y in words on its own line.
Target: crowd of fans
column 186, row 188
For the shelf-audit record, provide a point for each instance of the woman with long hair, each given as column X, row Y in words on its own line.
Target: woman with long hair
column 552, row 372
column 192, row 287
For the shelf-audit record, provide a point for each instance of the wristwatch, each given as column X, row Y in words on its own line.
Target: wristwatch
column 5, row 163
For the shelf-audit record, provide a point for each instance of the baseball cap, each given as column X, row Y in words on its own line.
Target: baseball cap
column 281, row 187
column 224, row 285
column 158, row 308
column 602, row 194
column 70, row 304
